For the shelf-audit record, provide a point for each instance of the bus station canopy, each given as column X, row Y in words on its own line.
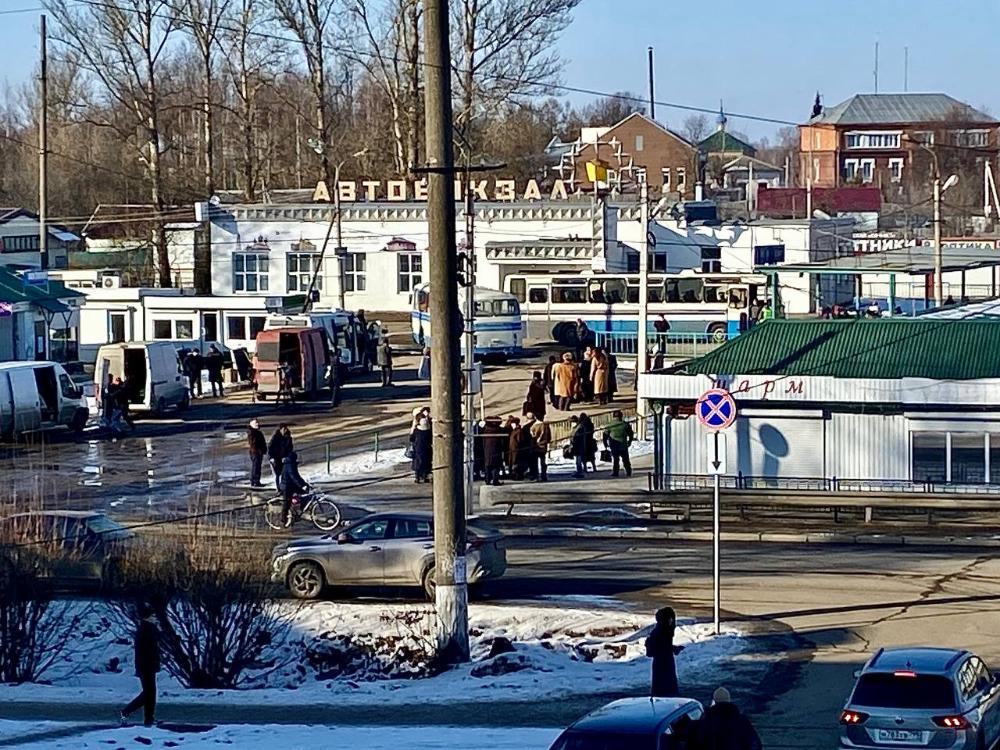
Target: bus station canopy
column 905, row 260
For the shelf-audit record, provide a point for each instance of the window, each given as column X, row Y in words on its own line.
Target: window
column 116, row 325
column 924, row 136
column 411, row 528
column 409, row 268
column 658, row 262
column 640, row 174
column 370, row 530
column 567, row 294
column 886, row 690
column 244, row 327
column 301, row 268
column 68, row 388
column 968, row 458
column 517, row 288
column 538, row 295
column 930, row 457
column 711, row 260
column 850, row 170
column 183, row 329
column 971, row 138
column 21, row 243
column 162, row 329
column 681, row 179
column 768, row 255
column 867, row 167
column 895, row 170
column 665, row 175
column 250, row 272
column 873, row 140
column 684, row 290
column 354, row 272
column 639, row 143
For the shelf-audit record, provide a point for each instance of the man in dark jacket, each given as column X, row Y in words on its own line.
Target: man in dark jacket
column 494, row 443
column 257, row 446
column 580, row 444
column 583, row 337
column 385, row 358
column 291, row 484
column 277, row 451
column 147, row 664
column 660, row 646
column 192, row 368
column 724, row 727
column 214, row 364
column 618, row 436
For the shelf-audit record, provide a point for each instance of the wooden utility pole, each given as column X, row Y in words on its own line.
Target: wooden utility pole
column 451, row 595
column 43, row 151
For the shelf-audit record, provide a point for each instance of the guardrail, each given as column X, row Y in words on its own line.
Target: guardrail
column 670, row 344
column 929, row 486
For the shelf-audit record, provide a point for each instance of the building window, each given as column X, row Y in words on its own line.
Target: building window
column 116, row 333
column 657, row 262
column 924, row 136
column 250, row 272
column 354, row 272
column 896, row 170
column 20, row 243
column 873, row 140
column 162, row 329
column 665, row 175
column 640, row 175
column 867, row 169
column 968, row 458
column 409, row 267
column 930, row 457
column 711, row 260
column 301, row 268
column 639, row 143
column 972, row 138
column 183, row 329
column 244, row 327
column 681, row 179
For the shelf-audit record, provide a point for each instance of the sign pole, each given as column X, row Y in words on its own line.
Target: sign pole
column 716, row 535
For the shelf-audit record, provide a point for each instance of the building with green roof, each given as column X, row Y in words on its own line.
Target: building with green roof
column 39, row 317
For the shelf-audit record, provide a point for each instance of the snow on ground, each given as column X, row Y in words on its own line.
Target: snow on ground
column 56, row 736
column 361, row 653
column 354, row 464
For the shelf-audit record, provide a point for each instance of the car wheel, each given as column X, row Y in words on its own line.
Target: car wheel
column 185, row 402
column 79, row 422
column 429, row 585
column 305, row 580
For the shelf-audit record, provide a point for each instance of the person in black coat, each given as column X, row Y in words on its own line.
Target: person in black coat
column 291, row 484
column 494, row 444
column 548, row 382
column 278, row 450
column 579, row 444
column 724, row 727
column 422, row 452
column 214, row 364
column 257, row 447
column 660, row 646
column 147, row 664
column 192, row 368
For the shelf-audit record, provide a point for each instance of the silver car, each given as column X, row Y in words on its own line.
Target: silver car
column 923, row 697
column 385, row 549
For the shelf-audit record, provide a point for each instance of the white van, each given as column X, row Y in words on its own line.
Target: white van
column 151, row 371
column 39, row 396
column 343, row 332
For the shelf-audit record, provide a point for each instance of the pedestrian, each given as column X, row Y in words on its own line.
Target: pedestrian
column 547, row 380
column 362, row 337
column 257, row 446
column 534, row 401
column 147, row 664
column 385, row 359
column 753, row 312
column 108, row 398
column 422, row 452
column 590, row 454
column 724, row 727
column 578, row 446
column 192, row 368
column 612, row 376
column 290, row 484
column 618, row 437
column 493, row 449
column 514, row 462
column 565, row 381
column 767, row 313
column 123, row 400
column 600, row 375
column 424, row 370
column 335, row 377
column 583, row 337
column 278, row 449
column 660, row 646
column 541, row 435
column 478, row 458
column 214, row 364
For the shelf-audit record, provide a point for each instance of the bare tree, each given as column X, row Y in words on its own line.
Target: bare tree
column 121, row 45
column 695, row 127
column 503, row 50
column 203, row 21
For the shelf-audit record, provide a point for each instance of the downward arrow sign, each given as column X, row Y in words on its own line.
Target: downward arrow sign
column 716, row 462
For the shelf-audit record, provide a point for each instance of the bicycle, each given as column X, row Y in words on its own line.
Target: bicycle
column 316, row 507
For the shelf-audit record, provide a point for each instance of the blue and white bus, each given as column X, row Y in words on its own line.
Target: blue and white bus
column 498, row 328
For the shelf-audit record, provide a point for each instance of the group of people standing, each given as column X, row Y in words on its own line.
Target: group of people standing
column 516, row 448
column 194, row 364
column 280, row 452
column 593, row 379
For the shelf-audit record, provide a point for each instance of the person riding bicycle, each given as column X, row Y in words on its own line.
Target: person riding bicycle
column 291, row 484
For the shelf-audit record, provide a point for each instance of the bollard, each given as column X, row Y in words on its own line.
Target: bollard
column 376, row 446
column 327, row 458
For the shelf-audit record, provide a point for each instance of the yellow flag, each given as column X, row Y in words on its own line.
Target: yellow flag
column 597, row 171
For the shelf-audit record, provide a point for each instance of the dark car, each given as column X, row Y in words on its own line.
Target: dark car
column 633, row 724
column 67, row 548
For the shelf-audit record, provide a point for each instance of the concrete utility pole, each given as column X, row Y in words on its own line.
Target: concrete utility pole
column 642, row 358
column 652, row 98
column 938, row 254
column 43, row 151
column 469, row 341
column 340, row 251
column 449, row 491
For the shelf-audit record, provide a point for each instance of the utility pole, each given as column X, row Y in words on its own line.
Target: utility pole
column 938, row 254
column 652, row 98
column 451, row 597
column 469, row 341
column 43, row 152
column 642, row 360
column 339, row 253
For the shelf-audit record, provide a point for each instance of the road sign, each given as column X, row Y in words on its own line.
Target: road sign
column 716, row 409
column 716, row 452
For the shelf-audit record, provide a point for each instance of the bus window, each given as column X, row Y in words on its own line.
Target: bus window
column 632, row 294
column 423, row 300
column 714, row 294
column 614, row 291
column 654, row 293
column 684, row 290
column 737, row 297
column 538, row 295
column 596, row 292
column 568, row 295
column 517, row 288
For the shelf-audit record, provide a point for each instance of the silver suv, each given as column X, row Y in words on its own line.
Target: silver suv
column 923, row 697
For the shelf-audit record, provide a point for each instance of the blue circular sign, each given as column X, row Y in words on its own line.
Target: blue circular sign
column 716, row 409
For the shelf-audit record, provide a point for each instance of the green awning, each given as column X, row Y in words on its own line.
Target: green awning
column 51, row 305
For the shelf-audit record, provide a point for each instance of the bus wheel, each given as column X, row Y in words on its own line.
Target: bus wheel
column 717, row 333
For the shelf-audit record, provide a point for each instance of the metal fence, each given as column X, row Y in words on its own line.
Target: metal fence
column 841, row 485
column 672, row 345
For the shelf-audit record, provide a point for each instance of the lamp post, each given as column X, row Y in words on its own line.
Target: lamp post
column 939, row 190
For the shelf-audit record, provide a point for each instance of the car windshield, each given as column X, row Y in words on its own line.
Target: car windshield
column 886, row 690
column 580, row 740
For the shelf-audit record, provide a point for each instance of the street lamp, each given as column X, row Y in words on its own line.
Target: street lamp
column 939, row 190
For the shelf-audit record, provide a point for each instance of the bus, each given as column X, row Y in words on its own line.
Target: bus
column 713, row 306
column 497, row 325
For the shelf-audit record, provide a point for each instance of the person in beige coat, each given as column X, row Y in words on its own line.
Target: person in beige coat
column 600, row 375
column 565, row 381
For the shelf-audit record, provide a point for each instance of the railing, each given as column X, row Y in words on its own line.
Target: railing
column 672, row 345
column 929, row 486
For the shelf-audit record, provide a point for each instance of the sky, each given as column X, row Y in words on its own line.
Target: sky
column 760, row 57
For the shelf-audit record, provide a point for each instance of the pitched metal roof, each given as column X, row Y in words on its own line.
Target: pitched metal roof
column 887, row 348
column 722, row 142
column 893, row 109
column 13, row 289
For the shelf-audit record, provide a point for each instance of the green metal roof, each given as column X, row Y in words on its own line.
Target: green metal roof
column 14, row 290
column 887, row 348
column 722, row 142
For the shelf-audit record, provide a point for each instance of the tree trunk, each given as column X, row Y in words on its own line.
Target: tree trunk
column 412, row 26
column 468, row 65
column 206, row 111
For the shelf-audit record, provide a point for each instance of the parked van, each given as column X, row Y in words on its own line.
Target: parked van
column 343, row 331
column 39, row 396
column 303, row 352
column 151, row 372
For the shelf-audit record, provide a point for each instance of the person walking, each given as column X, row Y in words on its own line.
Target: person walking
column 123, row 400
column 541, row 436
column 493, row 449
column 578, row 446
column 147, row 664
column 422, row 451
column 583, row 337
column 586, row 384
column 109, row 396
column 278, row 449
column 724, row 727
column 257, row 446
column 514, row 462
column 565, row 381
column 618, row 437
column 385, row 359
column 214, row 364
column 612, row 376
column 424, row 368
column 290, row 484
column 600, row 376
column 192, row 368
column 534, row 401
column 660, row 646
column 548, row 382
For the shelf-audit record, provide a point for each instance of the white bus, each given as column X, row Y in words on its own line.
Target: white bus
column 715, row 306
column 497, row 324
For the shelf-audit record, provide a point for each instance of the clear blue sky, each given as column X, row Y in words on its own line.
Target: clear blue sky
column 765, row 58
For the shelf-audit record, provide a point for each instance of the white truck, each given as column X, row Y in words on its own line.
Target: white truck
column 39, row 396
